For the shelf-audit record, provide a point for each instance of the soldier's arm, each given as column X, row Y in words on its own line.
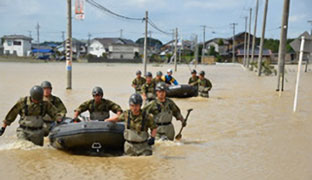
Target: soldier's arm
column 52, row 112
column 82, row 108
column 209, row 85
column 190, row 81
column 61, row 107
column 134, row 83
column 114, row 107
column 144, row 90
column 176, row 111
column 117, row 118
column 152, row 125
column 12, row 114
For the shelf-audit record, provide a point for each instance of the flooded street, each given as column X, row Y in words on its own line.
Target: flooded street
column 243, row 131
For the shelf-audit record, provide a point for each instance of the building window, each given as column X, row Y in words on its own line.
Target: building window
column 17, row 43
column 9, row 43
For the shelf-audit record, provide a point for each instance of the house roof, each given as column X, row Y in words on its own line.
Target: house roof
column 109, row 41
column 17, row 37
column 216, row 40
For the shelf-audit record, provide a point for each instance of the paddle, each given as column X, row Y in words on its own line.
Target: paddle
column 179, row 135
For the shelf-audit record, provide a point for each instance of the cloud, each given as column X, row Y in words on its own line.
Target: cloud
column 297, row 18
column 212, row 4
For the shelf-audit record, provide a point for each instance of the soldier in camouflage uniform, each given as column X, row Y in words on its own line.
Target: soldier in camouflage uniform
column 204, row 85
column 138, row 82
column 137, row 123
column 31, row 109
column 158, row 78
column 193, row 81
column 148, row 89
column 98, row 106
column 163, row 110
column 55, row 101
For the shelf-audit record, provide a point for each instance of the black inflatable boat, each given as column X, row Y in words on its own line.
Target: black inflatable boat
column 181, row 91
column 92, row 137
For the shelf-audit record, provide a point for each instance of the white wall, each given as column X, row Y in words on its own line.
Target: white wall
column 123, row 51
column 21, row 50
column 96, row 48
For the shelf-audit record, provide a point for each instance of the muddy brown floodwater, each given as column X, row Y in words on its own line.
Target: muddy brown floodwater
column 243, row 131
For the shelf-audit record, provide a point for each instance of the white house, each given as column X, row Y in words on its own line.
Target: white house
column 98, row 46
column 221, row 45
column 19, row 45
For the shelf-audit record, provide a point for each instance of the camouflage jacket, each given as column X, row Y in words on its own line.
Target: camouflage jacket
column 156, row 81
column 58, row 104
column 25, row 107
column 205, row 83
column 148, row 88
column 193, row 82
column 155, row 107
column 139, row 83
column 105, row 105
column 136, row 122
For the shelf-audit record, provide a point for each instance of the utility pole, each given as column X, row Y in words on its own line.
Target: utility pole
column 69, row 52
column 38, row 35
column 262, row 37
column 196, row 50
column 145, row 43
column 175, row 49
column 121, row 30
column 307, row 61
column 248, row 43
column 204, row 45
column 245, row 41
column 311, row 26
column 89, row 42
column 63, row 39
column 233, row 39
column 282, row 47
column 255, row 35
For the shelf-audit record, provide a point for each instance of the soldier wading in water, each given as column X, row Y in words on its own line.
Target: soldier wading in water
column 31, row 109
column 163, row 109
column 137, row 122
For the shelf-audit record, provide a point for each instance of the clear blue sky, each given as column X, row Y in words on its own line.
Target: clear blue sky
column 21, row 16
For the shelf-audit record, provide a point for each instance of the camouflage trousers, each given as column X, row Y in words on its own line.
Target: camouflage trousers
column 140, row 149
column 165, row 132
column 35, row 136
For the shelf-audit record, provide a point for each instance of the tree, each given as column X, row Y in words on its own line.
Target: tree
column 220, row 42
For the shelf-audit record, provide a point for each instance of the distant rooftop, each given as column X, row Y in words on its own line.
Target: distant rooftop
column 109, row 41
column 17, row 37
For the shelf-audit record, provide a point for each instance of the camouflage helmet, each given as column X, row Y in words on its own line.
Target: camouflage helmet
column 149, row 74
column 135, row 99
column 36, row 93
column 159, row 73
column 97, row 90
column 138, row 72
column 202, row 73
column 193, row 71
column 161, row 86
column 46, row 84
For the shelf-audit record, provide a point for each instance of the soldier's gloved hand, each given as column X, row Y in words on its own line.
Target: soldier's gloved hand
column 151, row 141
column 2, row 131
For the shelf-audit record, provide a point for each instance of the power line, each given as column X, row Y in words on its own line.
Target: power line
column 104, row 9
column 157, row 28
